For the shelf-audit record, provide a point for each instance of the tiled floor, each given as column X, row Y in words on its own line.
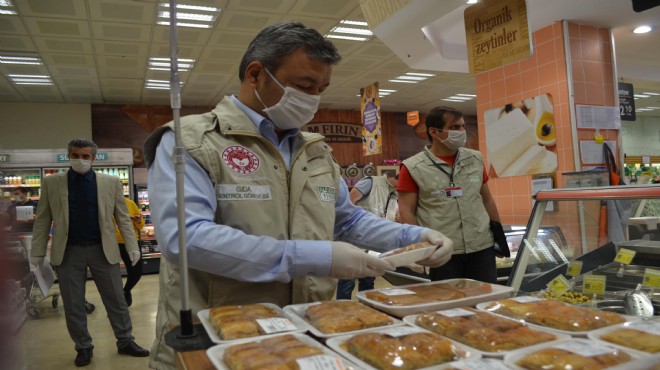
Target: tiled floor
column 45, row 343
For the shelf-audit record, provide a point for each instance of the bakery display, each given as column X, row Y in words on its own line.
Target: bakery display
column 428, row 293
column 482, row 330
column 280, row 352
column 234, row 322
column 567, row 359
column 554, row 314
column 644, row 338
column 411, row 351
column 331, row 317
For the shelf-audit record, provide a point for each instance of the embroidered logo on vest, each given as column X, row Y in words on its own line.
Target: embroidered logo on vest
column 241, row 160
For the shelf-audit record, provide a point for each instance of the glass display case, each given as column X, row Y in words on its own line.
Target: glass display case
column 594, row 229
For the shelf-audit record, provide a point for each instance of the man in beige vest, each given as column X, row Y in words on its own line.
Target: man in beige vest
column 445, row 188
column 265, row 201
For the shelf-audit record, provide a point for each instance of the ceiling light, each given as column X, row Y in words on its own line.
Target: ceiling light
column 642, row 96
column 43, row 80
column 404, row 81
column 455, row 100
column 163, row 64
column 158, row 84
column 472, row 1
column 7, row 8
column 643, row 29
column 650, row 93
column 196, row 16
column 358, row 31
column 12, row 59
column 466, row 98
column 470, row 95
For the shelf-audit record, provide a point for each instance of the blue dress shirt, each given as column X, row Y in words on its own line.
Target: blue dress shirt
column 212, row 247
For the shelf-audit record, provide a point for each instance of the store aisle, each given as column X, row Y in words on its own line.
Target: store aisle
column 47, row 345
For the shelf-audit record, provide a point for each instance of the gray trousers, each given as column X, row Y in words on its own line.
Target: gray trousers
column 72, row 277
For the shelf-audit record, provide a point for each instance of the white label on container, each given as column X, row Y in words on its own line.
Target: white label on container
column 586, row 349
column 275, row 325
column 455, row 312
column 527, row 299
column 396, row 291
column 320, row 362
column 401, row 331
column 646, row 326
column 480, row 364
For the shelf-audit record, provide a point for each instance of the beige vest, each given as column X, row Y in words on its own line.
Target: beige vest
column 462, row 219
column 300, row 205
column 377, row 200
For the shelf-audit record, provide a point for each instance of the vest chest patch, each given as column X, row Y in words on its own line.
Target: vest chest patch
column 241, row 159
column 327, row 193
column 228, row 192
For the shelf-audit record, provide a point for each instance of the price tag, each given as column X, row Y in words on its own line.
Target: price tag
column 574, row 268
column 594, row 284
column 453, row 312
column 320, row 362
column 651, row 278
column 625, row 256
column 559, row 285
column 275, row 325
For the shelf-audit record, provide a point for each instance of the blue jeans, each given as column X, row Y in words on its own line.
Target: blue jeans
column 345, row 287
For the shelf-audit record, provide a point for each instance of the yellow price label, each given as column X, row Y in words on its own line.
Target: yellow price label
column 625, row 256
column 559, row 285
column 574, row 268
column 651, row 278
column 594, row 284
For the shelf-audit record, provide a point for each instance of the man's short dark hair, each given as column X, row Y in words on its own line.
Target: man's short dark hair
column 22, row 189
column 82, row 142
column 440, row 117
column 279, row 40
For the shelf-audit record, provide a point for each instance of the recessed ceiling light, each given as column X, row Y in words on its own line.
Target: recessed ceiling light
column 455, row 100
column 641, row 96
column 356, row 31
column 643, row 29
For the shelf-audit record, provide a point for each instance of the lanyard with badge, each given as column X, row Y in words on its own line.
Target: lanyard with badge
column 452, row 191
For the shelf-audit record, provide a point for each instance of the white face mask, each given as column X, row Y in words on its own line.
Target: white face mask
column 82, row 166
column 18, row 199
column 294, row 109
column 456, row 139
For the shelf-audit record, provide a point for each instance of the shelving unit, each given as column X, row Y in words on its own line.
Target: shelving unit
column 147, row 242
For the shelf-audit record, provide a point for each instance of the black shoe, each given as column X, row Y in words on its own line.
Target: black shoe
column 84, row 357
column 132, row 349
column 129, row 298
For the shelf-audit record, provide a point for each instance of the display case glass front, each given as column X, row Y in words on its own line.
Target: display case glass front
column 595, row 231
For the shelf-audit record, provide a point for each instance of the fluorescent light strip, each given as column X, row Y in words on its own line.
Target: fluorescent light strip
column 7, row 59
column 420, row 74
column 650, row 93
column 193, row 7
column 388, row 90
column 653, row 107
column 352, row 31
column 411, row 78
column 466, row 98
column 189, row 16
column 354, row 23
column 29, row 76
column 642, row 96
column 471, row 95
column 454, row 100
column 6, row 3
column 352, row 38
column 184, row 24
column 405, row 81
column 7, row 12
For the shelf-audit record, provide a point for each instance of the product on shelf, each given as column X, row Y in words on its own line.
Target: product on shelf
column 233, row 322
column 554, row 314
column 569, row 358
column 342, row 316
column 482, row 330
column 281, row 352
column 431, row 293
column 635, row 338
column 412, row 351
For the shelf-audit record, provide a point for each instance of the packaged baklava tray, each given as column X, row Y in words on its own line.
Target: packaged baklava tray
column 643, row 336
column 331, row 318
column 554, row 315
column 416, row 298
column 280, row 352
column 569, row 354
column 483, row 332
column 233, row 323
column 399, row 348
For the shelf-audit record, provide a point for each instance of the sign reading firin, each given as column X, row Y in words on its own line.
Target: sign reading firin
column 497, row 34
column 372, row 141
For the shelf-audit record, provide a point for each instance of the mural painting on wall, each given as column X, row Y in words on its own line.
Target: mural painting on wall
column 521, row 137
column 372, row 135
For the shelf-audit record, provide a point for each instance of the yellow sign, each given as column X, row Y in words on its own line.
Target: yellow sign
column 594, row 284
column 574, row 268
column 372, row 137
column 497, row 34
column 651, row 278
column 625, row 256
column 559, row 285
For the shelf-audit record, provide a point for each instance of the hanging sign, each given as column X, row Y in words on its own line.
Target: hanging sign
column 497, row 34
column 372, row 138
column 336, row 132
column 626, row 101
column 413, row 118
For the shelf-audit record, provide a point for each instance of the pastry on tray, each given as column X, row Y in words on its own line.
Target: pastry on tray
column 234, row 322
column 556, row 358
column 342, row 316
column 633, row 338
column 412, row 351
column 429, row 293
column 483, row 331
column 556, row 315
column 275, row 353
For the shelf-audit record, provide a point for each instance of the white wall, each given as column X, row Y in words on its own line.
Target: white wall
column 43, row 125
column 641, row 137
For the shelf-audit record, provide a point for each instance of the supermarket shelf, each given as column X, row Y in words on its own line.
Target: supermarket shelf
column 17, row 185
